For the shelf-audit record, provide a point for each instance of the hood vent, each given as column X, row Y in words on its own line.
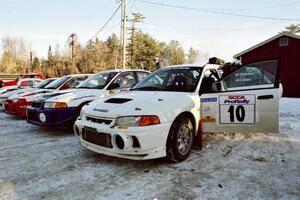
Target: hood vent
column 117, row 100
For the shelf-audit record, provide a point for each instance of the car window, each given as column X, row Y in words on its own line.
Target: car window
column 126, row 80
column 171, row 79
column 43, row 83
column 35, row 82
column 58, row 82
column 75, row 81
column 210, row 76
column 141, row 75
column 29, row 83
column 98, row 81
column 256, row 75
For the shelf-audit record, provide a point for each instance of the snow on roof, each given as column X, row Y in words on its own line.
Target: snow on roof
column 267, row 41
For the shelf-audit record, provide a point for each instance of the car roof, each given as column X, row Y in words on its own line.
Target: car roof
column 193, row 65
column 74, row 75
column 30, row 79
column 126, row 70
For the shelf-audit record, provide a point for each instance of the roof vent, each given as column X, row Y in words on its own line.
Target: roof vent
column 283, row 42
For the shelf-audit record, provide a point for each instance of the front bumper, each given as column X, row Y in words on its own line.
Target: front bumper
column 21, row 108
column 151, row 139
column 53, row 117
column 10, row 107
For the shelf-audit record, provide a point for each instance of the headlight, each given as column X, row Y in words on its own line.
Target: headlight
column 57, row 105
column 137, row 120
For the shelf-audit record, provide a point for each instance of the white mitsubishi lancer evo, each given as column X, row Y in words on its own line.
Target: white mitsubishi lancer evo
column 162, row 114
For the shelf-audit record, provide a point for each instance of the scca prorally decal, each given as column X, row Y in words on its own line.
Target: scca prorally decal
column 100, row 110
column 240, row 99
column 87, row 96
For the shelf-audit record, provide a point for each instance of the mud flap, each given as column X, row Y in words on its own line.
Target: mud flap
column 199, row 137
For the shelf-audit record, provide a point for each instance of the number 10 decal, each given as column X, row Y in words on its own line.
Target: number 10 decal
column 237, row 109
column 238, row 113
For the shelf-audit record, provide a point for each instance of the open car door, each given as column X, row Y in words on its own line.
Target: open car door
column 247, row 100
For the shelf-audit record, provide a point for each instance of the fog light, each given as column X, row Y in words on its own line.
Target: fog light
column 120, row 142
column 42, row 117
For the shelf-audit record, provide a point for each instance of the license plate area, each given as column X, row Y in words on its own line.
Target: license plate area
column 98, row 138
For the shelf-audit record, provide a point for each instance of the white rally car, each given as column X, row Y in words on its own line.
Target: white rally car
column 161, row 115
column 62, row 83
column 63, row 107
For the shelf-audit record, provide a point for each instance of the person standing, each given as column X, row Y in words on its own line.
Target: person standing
column 157, row 64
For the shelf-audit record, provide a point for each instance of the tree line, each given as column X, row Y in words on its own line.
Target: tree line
column 98, row 55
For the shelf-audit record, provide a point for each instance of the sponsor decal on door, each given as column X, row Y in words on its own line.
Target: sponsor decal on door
column 237, row 109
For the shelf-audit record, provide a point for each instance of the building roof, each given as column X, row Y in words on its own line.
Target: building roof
column 267, row 41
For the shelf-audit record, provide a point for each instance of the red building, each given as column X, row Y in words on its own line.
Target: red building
column 286, row 48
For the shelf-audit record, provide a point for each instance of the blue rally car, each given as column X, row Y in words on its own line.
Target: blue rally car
column 63, row 107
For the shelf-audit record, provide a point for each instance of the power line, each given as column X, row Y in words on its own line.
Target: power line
column 105, row 23
column 96, row 16
column 217, row 12
column 261, row 8
column 118, row 23
column 205, row 29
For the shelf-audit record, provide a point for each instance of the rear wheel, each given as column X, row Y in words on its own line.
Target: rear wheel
column 180, row 139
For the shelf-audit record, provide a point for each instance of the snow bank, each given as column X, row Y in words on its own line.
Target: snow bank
column 289, row 114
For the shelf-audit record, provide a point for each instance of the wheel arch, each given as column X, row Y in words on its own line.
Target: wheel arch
column 190, row 116
column 80, row 106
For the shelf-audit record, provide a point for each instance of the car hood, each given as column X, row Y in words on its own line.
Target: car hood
column 36, row 94
column 141, row 103
column 7, row 88
column 73, row 95
column 17, row 93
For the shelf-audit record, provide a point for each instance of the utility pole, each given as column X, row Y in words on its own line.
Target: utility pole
column 137, row 17
column 31, row 67
column 72, row 39
column 120, row 49
column 124, row 33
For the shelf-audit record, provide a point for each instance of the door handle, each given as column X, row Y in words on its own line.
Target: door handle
column 265, row 97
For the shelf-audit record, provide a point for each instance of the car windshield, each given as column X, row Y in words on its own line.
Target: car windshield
column 178, row 79
column 43, row 83
column 57, row 83
column 98, row 81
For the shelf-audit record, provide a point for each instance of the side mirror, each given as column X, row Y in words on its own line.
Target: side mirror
column 216, row 87
column 113, row 86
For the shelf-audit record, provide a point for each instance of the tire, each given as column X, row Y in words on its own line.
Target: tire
column 180, row 139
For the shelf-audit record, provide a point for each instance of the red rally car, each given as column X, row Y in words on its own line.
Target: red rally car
column 11, row 104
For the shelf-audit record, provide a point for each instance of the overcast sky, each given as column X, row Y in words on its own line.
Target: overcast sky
column 47, row 22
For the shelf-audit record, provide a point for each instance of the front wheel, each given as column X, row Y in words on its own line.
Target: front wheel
column 180, row 139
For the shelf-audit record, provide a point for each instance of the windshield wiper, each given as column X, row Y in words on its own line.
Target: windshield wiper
column 147, row 88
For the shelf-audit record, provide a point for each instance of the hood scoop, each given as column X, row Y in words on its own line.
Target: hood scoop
column 117, row 100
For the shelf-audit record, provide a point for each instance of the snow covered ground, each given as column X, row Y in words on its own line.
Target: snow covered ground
column 38, row 163
column 290, row 116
